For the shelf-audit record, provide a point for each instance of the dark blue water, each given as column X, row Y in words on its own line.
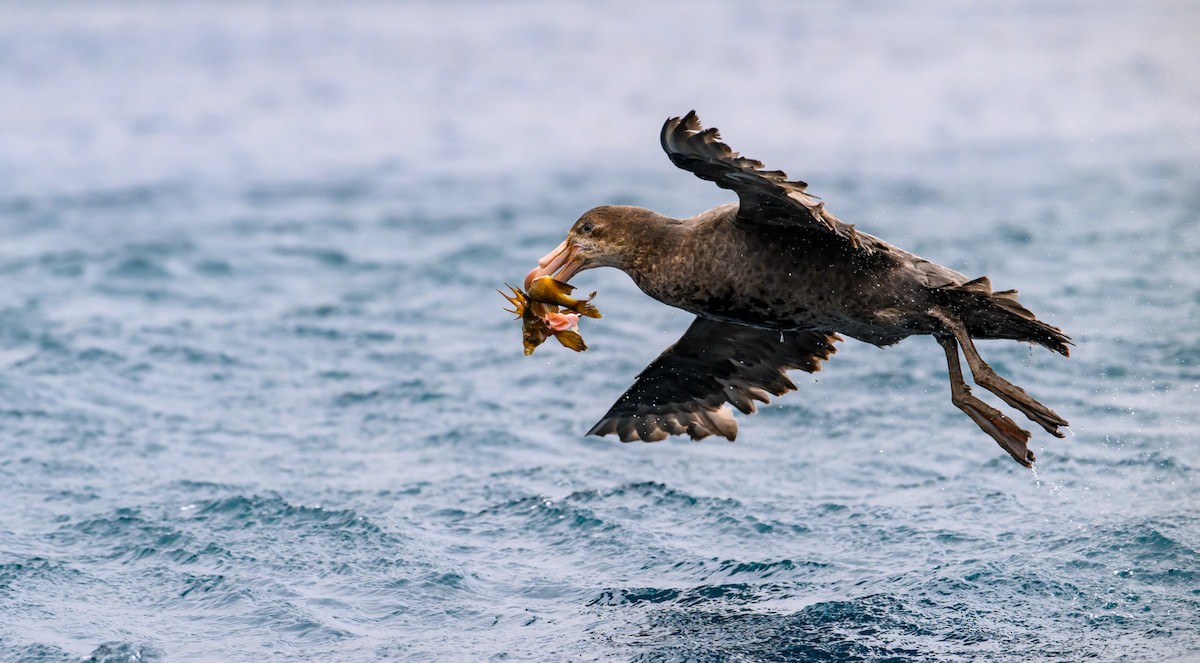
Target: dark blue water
column 258, row 400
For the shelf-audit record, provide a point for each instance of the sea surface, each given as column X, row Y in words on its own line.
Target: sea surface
column 258, row 400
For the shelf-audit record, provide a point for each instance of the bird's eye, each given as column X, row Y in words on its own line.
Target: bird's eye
column 586, row 227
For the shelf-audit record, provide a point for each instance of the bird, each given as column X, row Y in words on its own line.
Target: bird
column 775, row 280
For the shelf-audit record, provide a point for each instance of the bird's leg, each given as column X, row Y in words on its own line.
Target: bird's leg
column 1008, row 392
column 1011, row 437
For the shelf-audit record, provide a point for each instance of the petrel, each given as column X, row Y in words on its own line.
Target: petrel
column 773, row 279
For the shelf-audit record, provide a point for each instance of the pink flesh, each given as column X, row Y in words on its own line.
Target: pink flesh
column 562, row 321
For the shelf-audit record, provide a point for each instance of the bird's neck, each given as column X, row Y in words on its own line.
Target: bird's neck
column 662, row 255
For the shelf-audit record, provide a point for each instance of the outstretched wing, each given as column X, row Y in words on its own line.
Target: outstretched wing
column 766, row 197
column 686, row 388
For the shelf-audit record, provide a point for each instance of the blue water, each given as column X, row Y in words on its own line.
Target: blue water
column 258, row 400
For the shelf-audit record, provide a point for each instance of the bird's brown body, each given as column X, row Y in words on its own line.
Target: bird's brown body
column 776, row 279
column 773, row 279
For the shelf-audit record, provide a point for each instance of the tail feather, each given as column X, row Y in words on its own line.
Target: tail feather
column 989, row 314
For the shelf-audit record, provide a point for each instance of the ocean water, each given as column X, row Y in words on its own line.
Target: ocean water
column 258, row 400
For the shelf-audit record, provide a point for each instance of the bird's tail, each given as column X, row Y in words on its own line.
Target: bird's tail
column 989, row 314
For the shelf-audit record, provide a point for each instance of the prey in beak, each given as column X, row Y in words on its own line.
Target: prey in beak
column 561, row 263
column 547, row 290
column 545, row 306
column 542, row 319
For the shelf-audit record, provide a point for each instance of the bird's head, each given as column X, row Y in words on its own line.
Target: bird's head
column 604, row 236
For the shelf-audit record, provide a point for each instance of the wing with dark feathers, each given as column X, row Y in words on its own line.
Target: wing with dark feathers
column 766, row 197
column 686, row 388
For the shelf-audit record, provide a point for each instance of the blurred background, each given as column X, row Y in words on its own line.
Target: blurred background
column 258, row 399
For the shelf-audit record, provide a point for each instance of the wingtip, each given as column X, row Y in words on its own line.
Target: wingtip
column 600, row 428
column 691, row 121
column 675, row 125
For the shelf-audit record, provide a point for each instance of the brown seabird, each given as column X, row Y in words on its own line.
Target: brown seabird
column 773, row 279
